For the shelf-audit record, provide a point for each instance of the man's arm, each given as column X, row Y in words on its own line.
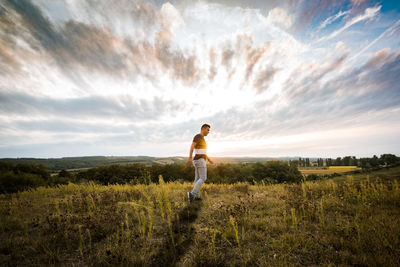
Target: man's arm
column 191, row 152
column 209, row 160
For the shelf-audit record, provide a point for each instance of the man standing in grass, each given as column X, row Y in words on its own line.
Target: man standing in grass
column 199, row 161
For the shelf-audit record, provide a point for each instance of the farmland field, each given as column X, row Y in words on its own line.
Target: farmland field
column 352, row 220
column 322, row 171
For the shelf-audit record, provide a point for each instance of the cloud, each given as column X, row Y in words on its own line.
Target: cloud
column 227, row 55
column 38, row 25
column 181, row 66
column 254, row 55
column 91, row 47
column 306, row 77
column 93, row 107
column 332, row 19
column 75, row 44
column 264, row 79
column 378, row 58
column 7, row 61
column 213, row 70
column 144, row 13
column 280, row 17
column 357, row 2
column 364, row 96
column 389, row 31
column 352, row 94
column 369, row 13
column 308, row 11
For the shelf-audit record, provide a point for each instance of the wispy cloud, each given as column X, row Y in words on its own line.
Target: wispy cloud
column 369, row 13
column 332, row 19
column 388, row 31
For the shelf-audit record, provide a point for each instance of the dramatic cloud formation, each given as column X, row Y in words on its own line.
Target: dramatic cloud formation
column 276, row 78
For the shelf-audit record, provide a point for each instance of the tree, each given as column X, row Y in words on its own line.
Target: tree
column 38, row 169
column 328, row 162
column 374, row 162
column 353, row 161
column 346, row 161
column 293, row 163
column 388, row 159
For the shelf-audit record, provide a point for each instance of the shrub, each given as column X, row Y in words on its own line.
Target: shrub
column 11, row 182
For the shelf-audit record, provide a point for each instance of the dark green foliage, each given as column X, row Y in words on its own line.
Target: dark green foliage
column 64, row 173
column 68, row 163
column 38, row 169
column 388, row 159
column 276, row 171
column 312, row 177
column 21, row 176
column 269, row 172
column 6, row 166
column 24, row 175
column 11, row 182
column 375, row 162
column 171, row 172
column 117, row 174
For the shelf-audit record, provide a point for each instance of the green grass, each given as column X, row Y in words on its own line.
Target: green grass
column 382, row 175
column 349, row 220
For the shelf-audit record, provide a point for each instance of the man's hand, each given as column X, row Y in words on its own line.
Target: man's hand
column 190, row 161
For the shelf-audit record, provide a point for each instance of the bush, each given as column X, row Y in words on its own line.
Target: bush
column 25, row 175
column 11, row 182
column 37, row 169
column 312, row 177
column 276, row 170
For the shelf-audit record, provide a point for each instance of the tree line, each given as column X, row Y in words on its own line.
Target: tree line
column 364, row 163
column 269, row 172
column 21, row 176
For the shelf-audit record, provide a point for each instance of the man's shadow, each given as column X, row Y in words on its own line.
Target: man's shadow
column 178, row 242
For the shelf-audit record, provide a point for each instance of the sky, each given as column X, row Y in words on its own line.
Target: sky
column 272, row 78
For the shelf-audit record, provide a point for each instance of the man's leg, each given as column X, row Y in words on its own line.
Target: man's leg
column 190, row 195
column 201, row 173
column 196, row 172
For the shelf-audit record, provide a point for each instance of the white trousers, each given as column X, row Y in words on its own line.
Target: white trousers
column 200, row 177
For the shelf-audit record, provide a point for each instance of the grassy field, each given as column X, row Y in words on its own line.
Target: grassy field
column 326, row 170
column 352, row 220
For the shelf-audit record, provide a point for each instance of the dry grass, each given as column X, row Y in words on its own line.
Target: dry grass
column 314, row 223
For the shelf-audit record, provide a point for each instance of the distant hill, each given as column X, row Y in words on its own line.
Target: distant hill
column 76, row 163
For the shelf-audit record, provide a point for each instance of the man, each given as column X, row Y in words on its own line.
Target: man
column 199, row 161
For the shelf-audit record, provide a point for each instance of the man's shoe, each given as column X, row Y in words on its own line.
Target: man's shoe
column 190, row 196
column 198, row 198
